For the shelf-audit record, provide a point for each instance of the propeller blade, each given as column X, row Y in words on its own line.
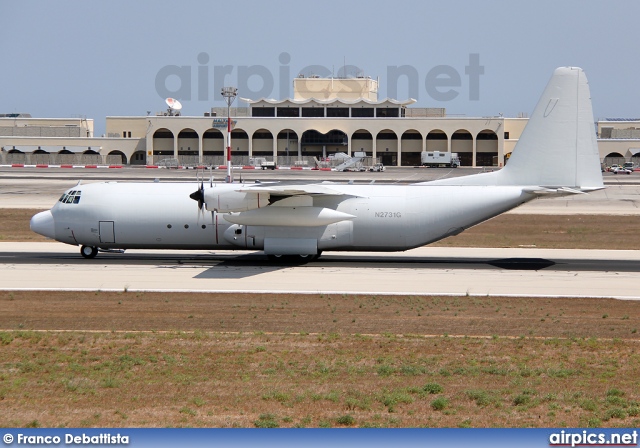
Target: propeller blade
column 197, row 195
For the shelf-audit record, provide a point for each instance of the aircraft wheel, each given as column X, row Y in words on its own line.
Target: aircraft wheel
column 89, row 251
column 292, row 259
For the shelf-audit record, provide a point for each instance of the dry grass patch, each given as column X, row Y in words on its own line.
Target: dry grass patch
column 313, row 313
column 15, row 225
column 552, row 232
column 246, row 360
column 316, row 380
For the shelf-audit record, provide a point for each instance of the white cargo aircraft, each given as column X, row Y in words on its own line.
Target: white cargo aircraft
column 557, row 154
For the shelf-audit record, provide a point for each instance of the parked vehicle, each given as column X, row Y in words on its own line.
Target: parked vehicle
column 437, row 158
column 262, row 163
column 622, row 170
column 378, row 167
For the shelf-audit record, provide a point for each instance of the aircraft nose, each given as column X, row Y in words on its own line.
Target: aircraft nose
column 44, row 224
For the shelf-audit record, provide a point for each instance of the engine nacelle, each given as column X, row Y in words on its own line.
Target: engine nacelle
column 234, row 201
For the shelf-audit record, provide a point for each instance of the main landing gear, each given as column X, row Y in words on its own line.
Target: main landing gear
column 88, row 251
column 294, row 259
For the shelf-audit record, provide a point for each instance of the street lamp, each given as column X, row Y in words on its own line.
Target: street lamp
column 229, row 94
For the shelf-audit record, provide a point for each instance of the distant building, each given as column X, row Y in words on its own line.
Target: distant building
column 619, row 140
column 27, row 140
column 325, row 116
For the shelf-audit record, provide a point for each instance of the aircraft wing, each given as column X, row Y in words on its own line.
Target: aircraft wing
column 294, row 190
column 246, row 198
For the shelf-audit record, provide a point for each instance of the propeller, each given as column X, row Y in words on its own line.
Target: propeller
column 198, row 195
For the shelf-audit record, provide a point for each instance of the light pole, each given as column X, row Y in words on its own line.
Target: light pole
column 229, row 94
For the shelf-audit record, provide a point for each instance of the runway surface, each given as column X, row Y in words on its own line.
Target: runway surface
column 423, row 271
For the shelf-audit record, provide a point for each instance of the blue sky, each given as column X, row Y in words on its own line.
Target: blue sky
column 99, row 59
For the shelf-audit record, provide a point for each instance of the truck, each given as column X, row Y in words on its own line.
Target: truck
column 262, row 163
column 437, row 159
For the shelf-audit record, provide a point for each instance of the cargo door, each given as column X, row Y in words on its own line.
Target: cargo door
column 106, row 232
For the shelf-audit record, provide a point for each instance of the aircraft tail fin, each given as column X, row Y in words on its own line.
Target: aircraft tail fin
column 558, row 147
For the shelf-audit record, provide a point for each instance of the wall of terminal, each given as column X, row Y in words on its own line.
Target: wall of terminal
column 73, row 151
column 395, row 141
column 288, row 141
column 46, row 127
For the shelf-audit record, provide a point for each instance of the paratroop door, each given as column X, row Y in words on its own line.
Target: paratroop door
column 106, row 232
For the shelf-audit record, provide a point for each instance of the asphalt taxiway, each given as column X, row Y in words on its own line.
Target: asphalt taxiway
column 422, row 271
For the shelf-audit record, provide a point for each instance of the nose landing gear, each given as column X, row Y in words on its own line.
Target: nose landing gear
column 88, row 251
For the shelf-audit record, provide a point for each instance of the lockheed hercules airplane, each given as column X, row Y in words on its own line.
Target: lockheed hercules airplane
column 557, row 154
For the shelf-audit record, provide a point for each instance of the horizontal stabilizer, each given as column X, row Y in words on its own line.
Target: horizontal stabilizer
column 562, row 191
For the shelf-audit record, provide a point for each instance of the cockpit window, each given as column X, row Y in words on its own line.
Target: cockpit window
column 71, row 197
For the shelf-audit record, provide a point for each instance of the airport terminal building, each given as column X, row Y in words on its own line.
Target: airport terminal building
column 325, row 116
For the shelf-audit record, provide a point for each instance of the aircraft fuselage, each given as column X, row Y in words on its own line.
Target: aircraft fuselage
column 382, row 217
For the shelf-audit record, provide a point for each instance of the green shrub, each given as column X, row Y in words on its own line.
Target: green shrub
column 432, row 388
column 5, row 338
column 614, row 413
column 439, row 403
column 613, row 392
column 521, row 400
column 266, row 421
column 385, row 370
column 481, row 397
column 346, row 420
